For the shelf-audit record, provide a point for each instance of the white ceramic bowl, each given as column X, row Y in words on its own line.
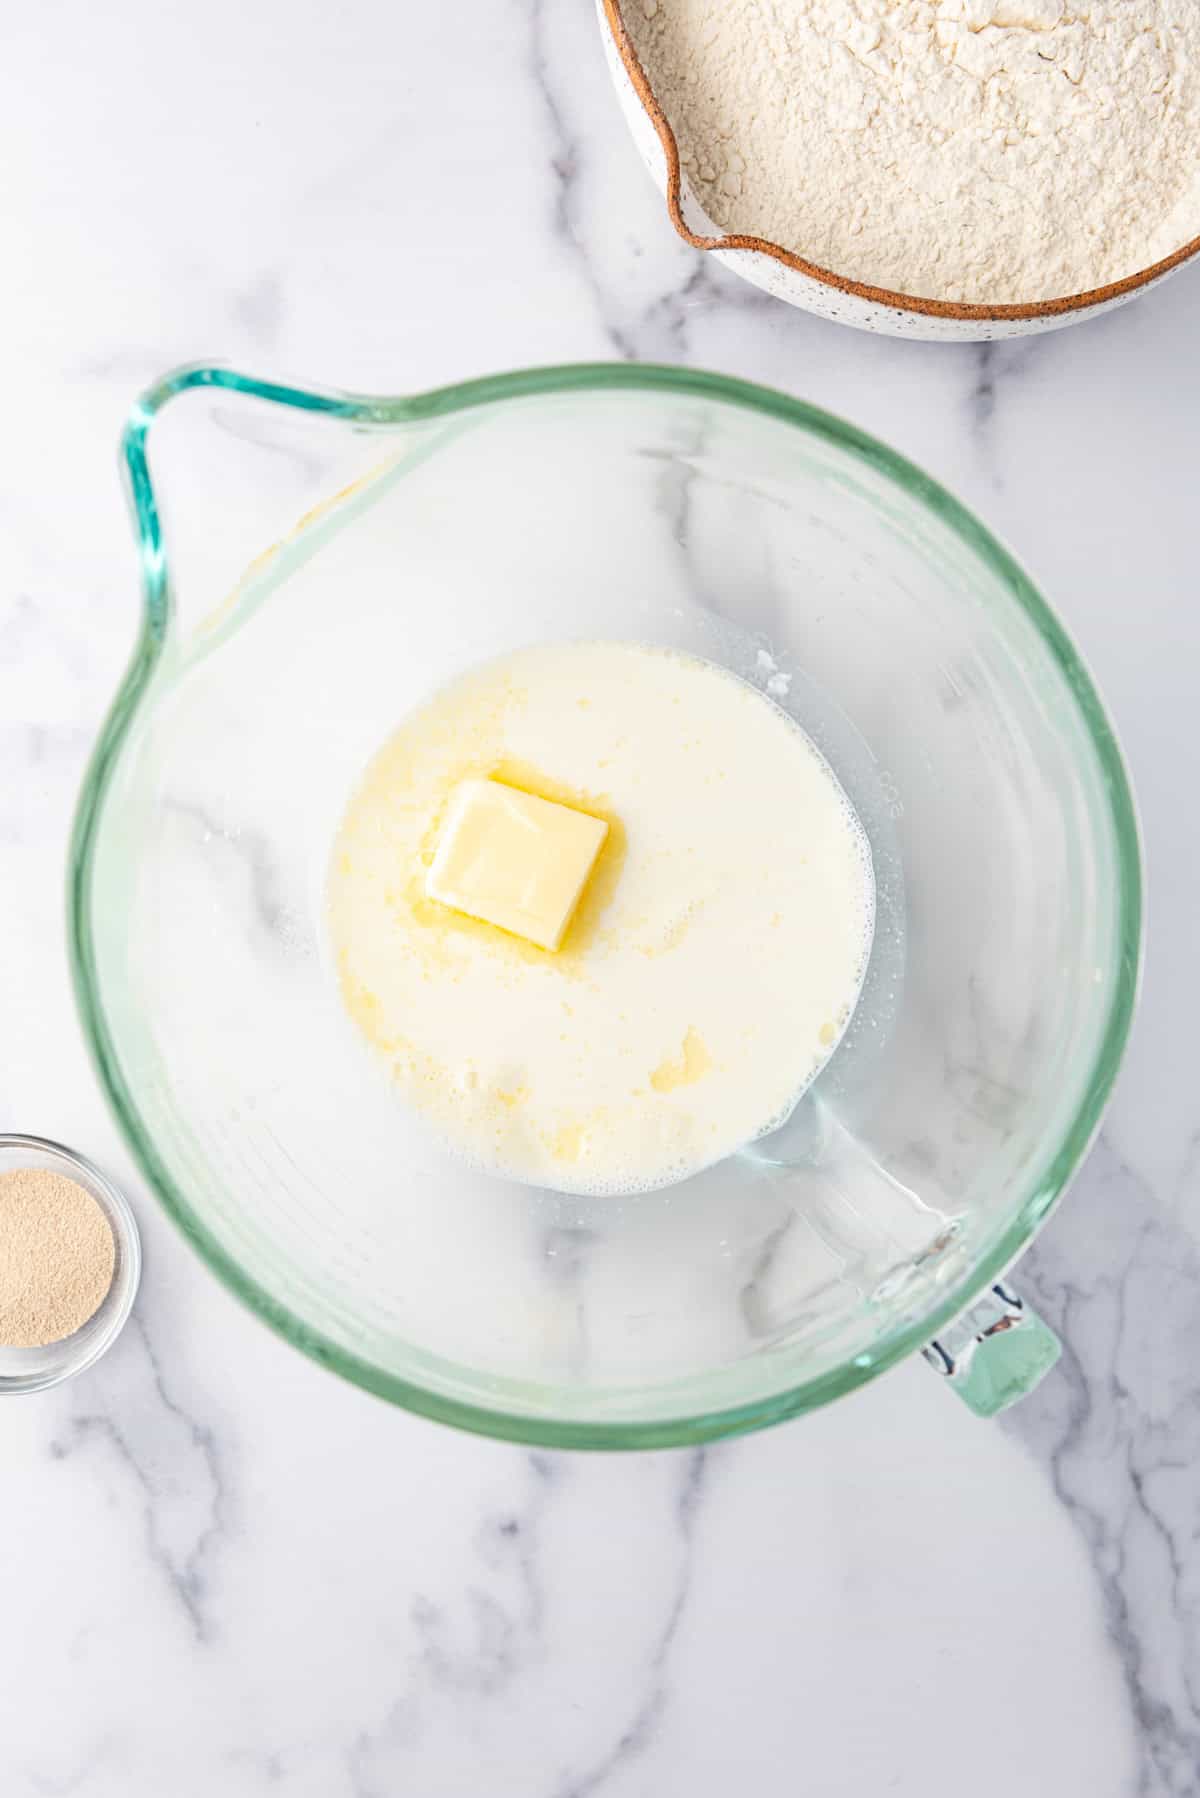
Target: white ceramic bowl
column 789, row 277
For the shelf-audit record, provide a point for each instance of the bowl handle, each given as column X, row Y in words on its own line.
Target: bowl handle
column 994, row 1353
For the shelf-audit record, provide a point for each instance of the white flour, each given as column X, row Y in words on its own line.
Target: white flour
column 985, row 150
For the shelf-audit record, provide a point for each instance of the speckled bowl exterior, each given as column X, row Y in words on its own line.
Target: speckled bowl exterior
column 789, row 277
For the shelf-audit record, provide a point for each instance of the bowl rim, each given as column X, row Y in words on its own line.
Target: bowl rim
column 1046, row 1185
column 971, row 312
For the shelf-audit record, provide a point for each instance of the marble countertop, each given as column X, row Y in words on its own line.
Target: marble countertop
column 222, row 1571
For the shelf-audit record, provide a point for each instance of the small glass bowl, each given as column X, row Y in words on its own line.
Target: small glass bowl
column 34, row 1369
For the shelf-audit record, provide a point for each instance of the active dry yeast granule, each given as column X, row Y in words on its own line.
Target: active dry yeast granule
column 57, row 1257
column 992, row 151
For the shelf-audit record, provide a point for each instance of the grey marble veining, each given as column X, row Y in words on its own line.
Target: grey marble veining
column 174, row 1463
column 220, row 1569
column 1119, row 1434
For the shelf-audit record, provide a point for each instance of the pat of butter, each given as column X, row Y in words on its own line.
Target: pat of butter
column 514, row 860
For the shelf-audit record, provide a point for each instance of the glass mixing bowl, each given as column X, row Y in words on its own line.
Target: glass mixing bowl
column 667, row 507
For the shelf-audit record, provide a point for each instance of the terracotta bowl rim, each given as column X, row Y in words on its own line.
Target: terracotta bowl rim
column 880, row 296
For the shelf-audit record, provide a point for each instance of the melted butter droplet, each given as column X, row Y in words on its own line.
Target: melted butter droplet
column 693, row 1062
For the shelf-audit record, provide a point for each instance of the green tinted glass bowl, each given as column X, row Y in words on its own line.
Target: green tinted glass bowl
column 313, row 565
